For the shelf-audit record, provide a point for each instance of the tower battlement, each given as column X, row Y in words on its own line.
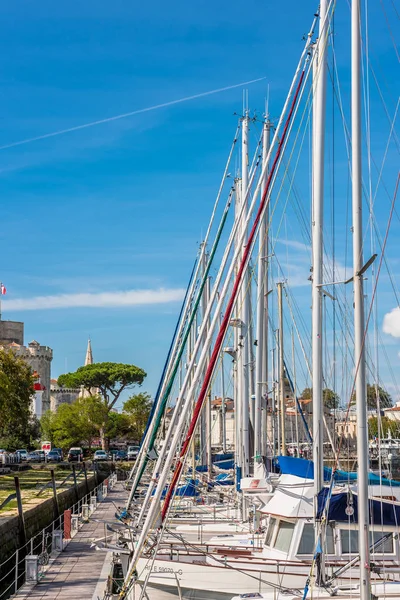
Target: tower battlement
column 39, row 359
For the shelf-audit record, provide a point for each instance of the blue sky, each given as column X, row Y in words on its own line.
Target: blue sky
column 122, row 206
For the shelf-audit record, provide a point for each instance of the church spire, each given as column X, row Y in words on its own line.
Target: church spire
column 89, row 355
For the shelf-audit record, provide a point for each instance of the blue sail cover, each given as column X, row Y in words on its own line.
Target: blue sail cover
column 224, row 479
column 225, row 465
column 221, row 460
column 188, row 489
column 222, row 456
column 301, row 467
column 289, row 465
column 380, row 512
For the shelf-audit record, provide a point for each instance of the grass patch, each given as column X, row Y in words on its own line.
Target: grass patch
column 32, row 482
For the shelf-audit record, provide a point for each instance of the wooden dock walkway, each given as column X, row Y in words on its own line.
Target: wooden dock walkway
column 79, row 572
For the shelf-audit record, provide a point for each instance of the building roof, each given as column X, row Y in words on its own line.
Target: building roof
column 229, row 404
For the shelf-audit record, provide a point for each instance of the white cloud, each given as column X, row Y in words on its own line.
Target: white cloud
column 96, row 300
column 391, row 322
column 295, row 244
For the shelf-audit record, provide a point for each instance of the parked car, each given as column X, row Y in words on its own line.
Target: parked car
column 53, row 456
column 34, row 457
column 22, row 453
column 133, row 451
column 60, row 452
column 42, row 454
column 2, row 451
column 120, row 455
column 75, row 455
column 100, row 455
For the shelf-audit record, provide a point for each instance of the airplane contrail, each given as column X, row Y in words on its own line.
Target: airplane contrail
column 129, row 114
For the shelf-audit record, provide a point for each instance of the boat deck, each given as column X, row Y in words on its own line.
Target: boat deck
column 80, row 572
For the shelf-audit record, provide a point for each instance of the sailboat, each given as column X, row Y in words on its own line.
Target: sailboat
column 299, row 536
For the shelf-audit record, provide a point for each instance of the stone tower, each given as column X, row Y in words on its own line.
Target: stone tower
column 11, row 332
column 59, row 395
column 39, row 358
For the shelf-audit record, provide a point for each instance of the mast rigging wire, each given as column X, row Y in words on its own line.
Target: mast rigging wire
column 371, row 306
column 225, row 322
column 156, row 398
column 159, row 478
column 167, row 392
column 142, row 460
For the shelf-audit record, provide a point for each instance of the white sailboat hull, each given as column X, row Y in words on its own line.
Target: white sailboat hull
column 194, row 578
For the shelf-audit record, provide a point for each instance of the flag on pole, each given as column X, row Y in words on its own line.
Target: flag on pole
column 3, row 289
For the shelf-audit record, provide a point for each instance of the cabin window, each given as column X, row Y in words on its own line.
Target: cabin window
column 284, row 536
column 307, row 541
column 349, row 541
column 385, row 547
column 306, row 545
column 330, row 540
column 270, row 531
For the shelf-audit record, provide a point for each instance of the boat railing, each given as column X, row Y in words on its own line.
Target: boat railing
column 375, row 546
column 17, row 568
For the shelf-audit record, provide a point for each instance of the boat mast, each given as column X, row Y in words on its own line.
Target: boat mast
column 274, row 427
column 359, row 321
column 223, row 406
column 208, row 414
column 244, row 362
column 205, row 421
column 295, row 396
column 238, row 362
column 318, row 147
column 281, row 372
column 192, row 341
column 168, row 450
column 262, row 325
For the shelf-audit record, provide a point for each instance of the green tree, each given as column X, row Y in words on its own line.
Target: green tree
column 47, row 426
column 71, row 425
column 385, row 399
column 70, row 429
column 34, row 431
column 118, row 426
column 17, row 424
column 107, row 380
column 387, row 425
column 81, row 422
column 138, row 408
column 331, row 399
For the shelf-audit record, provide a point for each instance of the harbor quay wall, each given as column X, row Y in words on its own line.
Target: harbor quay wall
column 38, row 518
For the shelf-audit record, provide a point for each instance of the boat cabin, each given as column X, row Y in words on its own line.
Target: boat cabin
column 295, row 540
column 290, row 526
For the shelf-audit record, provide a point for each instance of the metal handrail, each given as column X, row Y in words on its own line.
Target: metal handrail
column 60, row 485
column 31, row 545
